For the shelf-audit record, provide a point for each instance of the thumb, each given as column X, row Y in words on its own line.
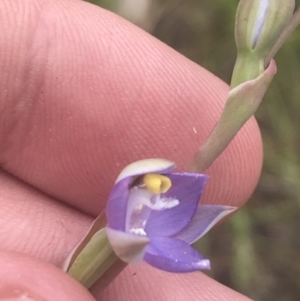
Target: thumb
column 24, row 278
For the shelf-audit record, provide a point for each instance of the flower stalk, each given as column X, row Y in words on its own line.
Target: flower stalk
column 93, row 258
column 259, row 25
column 241, row 104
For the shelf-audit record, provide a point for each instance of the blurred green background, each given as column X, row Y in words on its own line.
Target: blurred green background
column 257, row 252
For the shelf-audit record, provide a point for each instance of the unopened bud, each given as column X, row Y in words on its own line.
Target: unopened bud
column 259, row 23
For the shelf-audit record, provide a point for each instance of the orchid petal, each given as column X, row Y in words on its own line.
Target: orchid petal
column 174, row 255
column 187, row 189
column 116, row 207
column 128, row 247
column 205, row 218
column 146, row 166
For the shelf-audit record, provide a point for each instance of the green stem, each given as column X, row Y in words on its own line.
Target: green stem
column 247, row 67
column 103, row 282
column 244, row 264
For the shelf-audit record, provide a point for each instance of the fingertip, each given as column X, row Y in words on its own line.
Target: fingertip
column 144, row 283
column 24, row 277
column 234, row 175
column 102, row 94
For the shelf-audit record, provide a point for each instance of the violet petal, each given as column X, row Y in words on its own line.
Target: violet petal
column 174, row 255
column 128, row 247
column 205, row 218
column 116, row 207
column 187, row 189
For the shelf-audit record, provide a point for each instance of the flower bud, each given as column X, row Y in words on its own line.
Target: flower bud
column 259, row 23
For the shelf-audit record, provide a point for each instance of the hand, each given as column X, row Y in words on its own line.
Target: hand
column 84, row 93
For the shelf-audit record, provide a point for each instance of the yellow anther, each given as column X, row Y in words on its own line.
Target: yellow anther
column 156, row 183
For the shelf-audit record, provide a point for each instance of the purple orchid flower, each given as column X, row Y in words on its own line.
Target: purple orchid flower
column 153, row 215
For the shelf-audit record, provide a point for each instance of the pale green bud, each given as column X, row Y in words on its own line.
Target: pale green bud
column 259, row 23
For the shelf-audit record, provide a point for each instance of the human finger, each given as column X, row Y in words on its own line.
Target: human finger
column 36, row 224
column 27, row 279
column 145, row 283
column 84, row 93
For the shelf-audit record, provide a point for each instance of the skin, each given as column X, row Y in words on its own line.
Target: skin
column 83, row 93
